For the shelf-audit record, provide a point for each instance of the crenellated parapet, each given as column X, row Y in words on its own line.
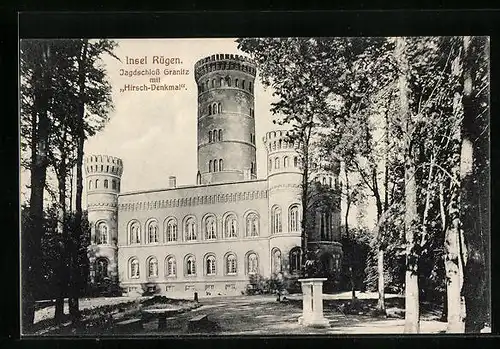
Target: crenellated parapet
column 224, row 61
column 104, row 164
column 278, row 140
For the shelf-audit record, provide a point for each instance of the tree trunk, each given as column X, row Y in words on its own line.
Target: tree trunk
column 77, row 229
column 31, row 241
column 412, row 323
column 381, row 283
column 351, row 249
column 453, row 265
column 305, row 197
column 61, row 229
column 474, row 172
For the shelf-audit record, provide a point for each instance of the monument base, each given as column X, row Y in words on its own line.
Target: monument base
column 314, row 322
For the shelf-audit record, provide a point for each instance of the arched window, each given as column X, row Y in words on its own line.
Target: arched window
column 293, row 215
column 152, row 232
column 231, row 226
column 210, row 228
column 250, row 86
column 276, row 260
column 252, row 263
column 210, row 109
column 277, row 163
column 276, row 220
column 295, row 260
column 236, row 84
column 252, row 225
column 134, row 268
column 171, row 230
column 270, row 164
column 213, row 83
column 106, row 184
column 274, row 145
column 96, row 183
column 323, row 225
column 243, row 84
column 231, row 264
column 190, row 265
column 101, row 269
column 190, row 229
column 215, row 166
column 296, row 161
column 90, row 184
column 331, row 182
column 221, row 165
column 209, row 136
column 220, row 135
column 210, row 166
column 286, row 162
column 210, row 265
column 102, row 231
column 324, row 181
column 229, row 81
column 170, row 267
column 221, row 82
column 279, row 144
column 219, row 108
column 152, row 267
column 113, row 184
column 135, row 233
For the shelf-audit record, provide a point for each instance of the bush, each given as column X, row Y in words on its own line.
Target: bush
column 262, row 285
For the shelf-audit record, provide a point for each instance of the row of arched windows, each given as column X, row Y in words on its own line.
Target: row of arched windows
column 277, row 162
column 293, row 219
column 216, row 165
column 324, row 221
column 294, row 260
column 326, row 181
column 214, row 108
column 210, row 267
column 115, row 184
column 215, row 136
column 209, row 229
column 280, row 144
column 227, row 82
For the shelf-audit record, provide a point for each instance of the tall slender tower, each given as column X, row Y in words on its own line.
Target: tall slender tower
column 103, row 176
column 226, row 118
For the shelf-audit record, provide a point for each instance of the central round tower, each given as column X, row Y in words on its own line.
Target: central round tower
column 226, row 119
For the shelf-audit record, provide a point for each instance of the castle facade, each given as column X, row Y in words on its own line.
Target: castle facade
column 212, row 236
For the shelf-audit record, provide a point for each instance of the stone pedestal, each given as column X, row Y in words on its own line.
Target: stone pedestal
column 312, row 303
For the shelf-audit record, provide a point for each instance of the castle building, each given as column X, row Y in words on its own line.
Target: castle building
column 212, row 236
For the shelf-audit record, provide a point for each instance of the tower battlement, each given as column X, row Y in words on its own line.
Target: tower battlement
column 224, row 62
column 103, row 164
column 277, row 140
